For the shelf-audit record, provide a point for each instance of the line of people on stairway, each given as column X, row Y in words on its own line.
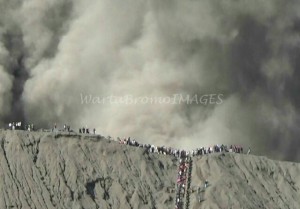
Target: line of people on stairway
column 189, row 180
column 181, row 181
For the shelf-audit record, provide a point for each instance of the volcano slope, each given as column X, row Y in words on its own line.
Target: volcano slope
column 44, row 170
column 39, row 170
column 245, row 181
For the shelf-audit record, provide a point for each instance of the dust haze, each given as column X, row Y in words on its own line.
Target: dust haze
column 53, row 51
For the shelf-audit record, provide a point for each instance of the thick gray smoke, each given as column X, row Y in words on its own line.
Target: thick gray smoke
column 52, row 53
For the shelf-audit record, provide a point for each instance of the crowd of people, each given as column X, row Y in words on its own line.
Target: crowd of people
column 185, row 165
column 18, row 126
column 86, row 130
column 181, row 152
column 148, row 147
column 55, row 128
column 217, row 148
column 184, row 156
column 67, row 128
column 181, row 182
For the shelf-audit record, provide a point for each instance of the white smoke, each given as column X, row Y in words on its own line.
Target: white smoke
column 245, row 50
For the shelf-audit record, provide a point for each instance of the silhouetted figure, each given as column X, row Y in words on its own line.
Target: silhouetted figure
column 205, row 184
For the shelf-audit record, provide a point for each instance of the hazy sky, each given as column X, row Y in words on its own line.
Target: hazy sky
column 54, row 52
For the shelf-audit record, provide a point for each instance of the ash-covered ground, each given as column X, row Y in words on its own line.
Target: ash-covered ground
column 44, row 170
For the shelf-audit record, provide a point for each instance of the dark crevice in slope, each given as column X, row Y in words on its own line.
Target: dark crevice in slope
column 23, row 182
column 94, row 164
column 6, row 159
column 128, row 201
column 63, row 169
column 5, row 202
column 150, row 195
column 131, row 166
column 37, row 150
column 105, row 183
column 33, row 149
column 90, row 189
column 14, row 180
column 46, row 186
column 208, row 165
column 153, row 202
column 143, row 193
column 90, row 185
column 129, row 191
column 35, row 146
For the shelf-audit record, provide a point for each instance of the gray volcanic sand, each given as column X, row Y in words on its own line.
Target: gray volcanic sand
column 246, row 181
column 41, row 170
